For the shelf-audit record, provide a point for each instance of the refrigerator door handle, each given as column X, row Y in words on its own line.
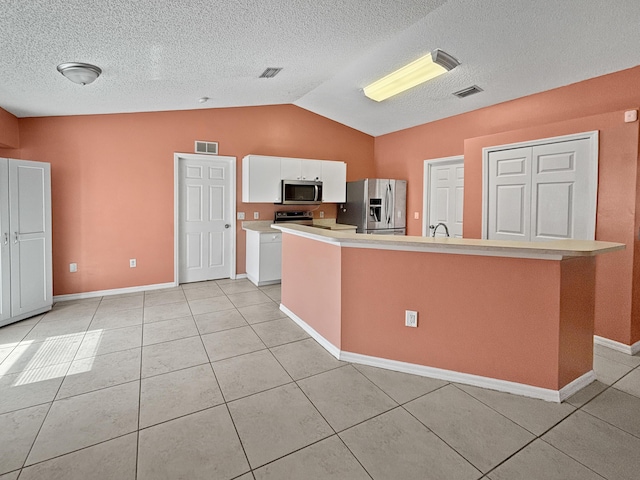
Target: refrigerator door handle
column 389, row 205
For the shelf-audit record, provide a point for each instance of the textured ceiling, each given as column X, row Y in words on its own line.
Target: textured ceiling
column 165, row 55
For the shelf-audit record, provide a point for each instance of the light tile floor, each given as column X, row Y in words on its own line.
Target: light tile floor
column 212, row 381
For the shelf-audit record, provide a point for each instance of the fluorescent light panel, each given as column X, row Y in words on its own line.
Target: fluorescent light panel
column 419, row 71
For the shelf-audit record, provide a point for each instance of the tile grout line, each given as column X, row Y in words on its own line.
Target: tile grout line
column 438, row 436
column 224, row 400
column 295, row 382
column 539, row 437
column 44, row 419
column 73, row 451
column 144, row 298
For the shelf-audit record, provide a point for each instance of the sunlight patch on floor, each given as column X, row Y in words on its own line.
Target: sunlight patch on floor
column 51, row 360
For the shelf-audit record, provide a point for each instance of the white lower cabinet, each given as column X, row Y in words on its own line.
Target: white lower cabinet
column 25, row 239
column 264, row 257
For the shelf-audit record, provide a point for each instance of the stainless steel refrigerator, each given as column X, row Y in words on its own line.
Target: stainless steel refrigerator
column 376, row 205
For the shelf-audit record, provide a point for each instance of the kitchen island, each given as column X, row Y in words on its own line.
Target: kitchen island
column 512, row 316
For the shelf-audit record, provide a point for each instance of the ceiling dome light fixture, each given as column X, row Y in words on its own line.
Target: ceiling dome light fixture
column 80, row 73
column 203, row 99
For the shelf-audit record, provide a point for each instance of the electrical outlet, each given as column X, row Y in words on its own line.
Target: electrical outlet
column 73, row 267
column 132, row 263
column 416, row 215
column 240, row 215
column 256, row 215
column 410, row 318
column 630, row 116
column 321, row 214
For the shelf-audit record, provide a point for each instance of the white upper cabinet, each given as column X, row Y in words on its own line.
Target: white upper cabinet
column 261, row 177
column 312, row 170
column 334, row 182
column 300, row 169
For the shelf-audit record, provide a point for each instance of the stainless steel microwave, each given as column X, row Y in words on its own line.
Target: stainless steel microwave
column 301, row 192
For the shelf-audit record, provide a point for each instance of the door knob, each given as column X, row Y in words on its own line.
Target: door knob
column 227, row 225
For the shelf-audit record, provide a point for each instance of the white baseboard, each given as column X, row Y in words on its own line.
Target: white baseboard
column 618, row 346
column 239, row 276
column 17, row 318
column 577, row 385
column 115, row 291
column 326, row 344
column 448, row 375
column 473, row 380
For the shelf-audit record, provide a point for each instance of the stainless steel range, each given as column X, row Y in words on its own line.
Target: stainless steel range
column 297, row 217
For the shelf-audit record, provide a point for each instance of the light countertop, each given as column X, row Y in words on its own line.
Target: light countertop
column 265, row 226
column 260, row 226
column 552, row 250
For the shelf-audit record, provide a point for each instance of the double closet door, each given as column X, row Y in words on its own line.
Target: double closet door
column 25, row 239
column 543, row 192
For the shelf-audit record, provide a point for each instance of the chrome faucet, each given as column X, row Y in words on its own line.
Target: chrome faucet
column 435, row 229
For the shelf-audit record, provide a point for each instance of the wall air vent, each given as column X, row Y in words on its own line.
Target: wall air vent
column 209, row 148
column 270, row 72
column 465, row 92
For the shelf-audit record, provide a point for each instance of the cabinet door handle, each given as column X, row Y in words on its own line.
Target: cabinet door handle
column 16, row 239
column 6, row 238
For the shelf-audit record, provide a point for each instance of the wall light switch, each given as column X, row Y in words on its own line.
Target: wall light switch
column 132, row 263
column 256, row 215
column 73, row 267
column 240, row 215
column 416, row 215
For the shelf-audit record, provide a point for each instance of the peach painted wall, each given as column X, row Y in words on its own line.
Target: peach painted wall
column 112, row 180
column 595, row 104
column 311, row 285
column 577, row 310
column 9, row 135
column 521, row 320
column 488, row 316
column 615, row 219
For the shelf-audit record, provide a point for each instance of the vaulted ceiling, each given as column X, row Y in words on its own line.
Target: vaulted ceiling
column 165, row 55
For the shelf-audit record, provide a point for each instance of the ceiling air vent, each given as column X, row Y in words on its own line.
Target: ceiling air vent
column 270, row 72
column 465, row 92
column 210, row 148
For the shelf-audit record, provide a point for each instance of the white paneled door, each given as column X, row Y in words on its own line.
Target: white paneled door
column 205, row 217
column 543, row 192
column 445, row 194
column 29, row 236
column 5, row 238
column 510, row 194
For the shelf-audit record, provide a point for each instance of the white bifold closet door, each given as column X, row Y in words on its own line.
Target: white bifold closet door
column 543, row 192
